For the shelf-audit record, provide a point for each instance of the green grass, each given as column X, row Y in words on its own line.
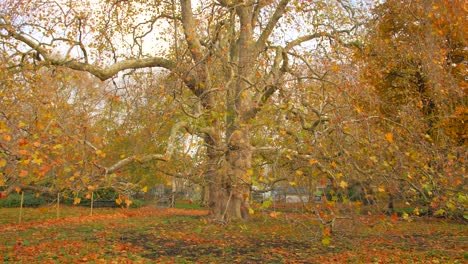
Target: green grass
column 187, row 205
column 11, row 215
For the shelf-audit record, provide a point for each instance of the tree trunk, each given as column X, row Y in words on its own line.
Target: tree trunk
column 229, row 201
column 228, row 182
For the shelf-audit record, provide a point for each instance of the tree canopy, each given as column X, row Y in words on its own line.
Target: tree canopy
column 234, row 95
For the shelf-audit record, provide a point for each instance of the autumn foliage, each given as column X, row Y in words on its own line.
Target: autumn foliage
column 348, row 102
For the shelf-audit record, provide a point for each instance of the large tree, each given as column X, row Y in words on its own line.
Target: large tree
column 233, row 56
column 414, row 69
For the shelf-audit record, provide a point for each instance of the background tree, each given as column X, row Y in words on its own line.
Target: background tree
column 415, row 70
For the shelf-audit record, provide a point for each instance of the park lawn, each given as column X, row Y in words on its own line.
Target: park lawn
column 154, row 235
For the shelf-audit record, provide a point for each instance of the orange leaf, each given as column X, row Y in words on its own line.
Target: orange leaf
column 23, row 173
column 44, row 169
column 389, row 137
column 6, row 137
column 22, row 142
column 394, row 217
column 274, row 214
column 326, row 231
column 23, row 152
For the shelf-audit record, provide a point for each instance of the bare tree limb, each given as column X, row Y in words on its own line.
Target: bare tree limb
column 280, row 10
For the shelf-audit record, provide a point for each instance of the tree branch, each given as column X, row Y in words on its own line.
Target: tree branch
column 150, row 157
column 191, row 37
column 100, row 72
column 280, row 10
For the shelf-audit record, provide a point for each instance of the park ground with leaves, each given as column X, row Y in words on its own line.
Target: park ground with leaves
column 155, row 235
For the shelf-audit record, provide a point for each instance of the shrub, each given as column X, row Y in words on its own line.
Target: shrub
column 137, row 203
column 30, row 200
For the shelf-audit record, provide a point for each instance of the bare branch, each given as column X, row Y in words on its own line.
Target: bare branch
column 100, row 72
column 280, row 9
column 128, row 160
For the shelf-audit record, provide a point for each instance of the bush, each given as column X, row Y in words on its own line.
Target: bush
column 137, row 203
column 30, row 200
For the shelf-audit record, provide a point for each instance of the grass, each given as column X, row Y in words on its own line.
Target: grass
column 154, row 235
column 10, row 215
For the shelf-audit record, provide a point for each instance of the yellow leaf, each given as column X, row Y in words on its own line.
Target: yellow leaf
column 118, row 201
column 251, row 211
column 299, row 172
column 24, row 162
column 250, row 172
column 77, row 200
column 2, row 163
column 326, row 241
column 58, row 146
column 21, row 124
column 37, row 161
column 168, row 182
column 405, row 216
column 100, row 153
column 144, row 189
column 343, row 184
column 381, row 188
column 292, row 183
column 389, row 137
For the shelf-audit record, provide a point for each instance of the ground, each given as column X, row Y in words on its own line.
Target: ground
column 155, row 235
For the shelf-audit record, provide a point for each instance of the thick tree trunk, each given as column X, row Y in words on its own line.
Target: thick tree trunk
column 228, row 203
column 228, row 182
